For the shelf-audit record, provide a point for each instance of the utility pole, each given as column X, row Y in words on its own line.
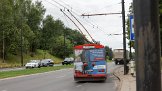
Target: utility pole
column 64, row 44
column 21, row 39
column 124, row 38
column 3, row 48
column 21, row 49
column 3, row 37
column 147, row 38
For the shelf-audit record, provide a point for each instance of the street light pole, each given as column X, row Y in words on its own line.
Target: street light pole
column 147, row 38
column 124, row 37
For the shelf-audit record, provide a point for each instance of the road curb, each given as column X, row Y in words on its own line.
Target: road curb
column 118, row 76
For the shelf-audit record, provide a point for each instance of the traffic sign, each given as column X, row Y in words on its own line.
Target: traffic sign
column 132, row 36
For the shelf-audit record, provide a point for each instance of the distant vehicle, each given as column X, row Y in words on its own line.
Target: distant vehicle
column 118, row 56
column 47, row 62
column 33, row 64
column 68, row 61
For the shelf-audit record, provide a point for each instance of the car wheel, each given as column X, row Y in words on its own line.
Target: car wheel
column 39, row 66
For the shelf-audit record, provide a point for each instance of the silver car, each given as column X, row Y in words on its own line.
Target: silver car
column 33, row 64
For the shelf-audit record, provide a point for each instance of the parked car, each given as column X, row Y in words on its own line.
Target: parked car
column 47, row 62
column 33, row 64
column 68, row 61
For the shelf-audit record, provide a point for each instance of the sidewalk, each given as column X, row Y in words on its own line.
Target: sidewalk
column 128, row 82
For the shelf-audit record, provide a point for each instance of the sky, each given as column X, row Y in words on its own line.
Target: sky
column 100, row 27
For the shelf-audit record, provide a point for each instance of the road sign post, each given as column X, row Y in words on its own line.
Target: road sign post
column 147, row 40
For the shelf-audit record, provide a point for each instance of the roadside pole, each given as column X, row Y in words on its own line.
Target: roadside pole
column 21, row 49
column 64, row 45
column 130, row 55
column 124, row 38
column 147, row 38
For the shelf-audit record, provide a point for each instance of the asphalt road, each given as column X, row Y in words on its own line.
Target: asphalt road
column 61, row 80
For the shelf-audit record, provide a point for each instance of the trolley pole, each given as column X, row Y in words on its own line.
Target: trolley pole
column 124, row 38
column 147, row 38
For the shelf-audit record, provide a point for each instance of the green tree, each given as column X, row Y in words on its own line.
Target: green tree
column 109, row 52
column 74, row 36
column 51, row 30
column 6, row 26
column 34, row 14
column 60, row 50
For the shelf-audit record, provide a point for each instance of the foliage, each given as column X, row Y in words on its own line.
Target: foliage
column 109, row 53
column 25, row 19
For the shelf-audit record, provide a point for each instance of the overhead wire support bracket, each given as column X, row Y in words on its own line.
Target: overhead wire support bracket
column 100, row 14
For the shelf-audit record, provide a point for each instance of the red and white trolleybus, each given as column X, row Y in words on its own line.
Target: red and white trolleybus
column 90, row 63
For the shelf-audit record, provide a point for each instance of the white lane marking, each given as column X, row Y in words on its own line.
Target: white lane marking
column 33, row 74
column 78, row 86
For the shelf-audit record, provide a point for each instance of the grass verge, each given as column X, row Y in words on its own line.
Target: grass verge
column 8, row 74
column 108, row 60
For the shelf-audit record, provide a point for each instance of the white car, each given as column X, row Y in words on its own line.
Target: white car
column 33, row 64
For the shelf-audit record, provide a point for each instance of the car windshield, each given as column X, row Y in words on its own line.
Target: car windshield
column 67, row 59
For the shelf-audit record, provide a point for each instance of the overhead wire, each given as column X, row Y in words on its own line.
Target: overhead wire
column 80, row 16
column 81, row 25
column 72, row 10
column 52, row 4
column 72, row 21
column 75, row 18
column 87, row 22
column 76, row 26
